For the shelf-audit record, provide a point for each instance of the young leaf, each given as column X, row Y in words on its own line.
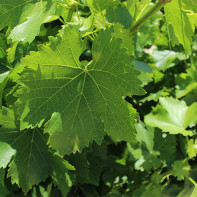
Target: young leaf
column 181, row 169
column 80, row 97
column 172, row 116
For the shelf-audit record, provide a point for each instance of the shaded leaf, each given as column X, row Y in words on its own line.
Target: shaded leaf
column 81, row 98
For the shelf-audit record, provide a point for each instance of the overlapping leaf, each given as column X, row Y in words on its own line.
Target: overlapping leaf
column 179, row 24
column 25, row 17
column 82, row 99
column 31, row 162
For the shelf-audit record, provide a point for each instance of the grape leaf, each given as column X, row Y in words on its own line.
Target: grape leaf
column 81, row 98
column 166, row 59
column 3, row 81
column 192, row 148
column 145, row 135
column 2, row 175
column 190, row 5
column 146, row 158
column 3, row 189
column 25, row 17
column 119, row 15
column 60, row 174
column 144, row 70
column 185, row 82
column 181, row 169
column 31, row 162
column 103, row 4
column 6, row 154
column 126, row 36
column 163, row 140
column 172, row 116
column 3, row 46
column 179, row 21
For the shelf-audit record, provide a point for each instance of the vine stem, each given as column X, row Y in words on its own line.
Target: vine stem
column 70, row 14
column 147, row 16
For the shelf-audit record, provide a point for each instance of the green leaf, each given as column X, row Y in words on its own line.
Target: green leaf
column 172, row 116
column 25, row 17
column 190, row 5
column 81, row 98
column 149, row 32
column 144, row 70
column 31, row 162
column 126, row 36
column 60, row 174
column 6, row 154
column 2, row 175
column 103, row 4
column 166, row 59
column 181, row 169
column 119, row 15
column 3, row 46
column 30, row 165
column 3, row 191
column 3, row 81
column 144, row 156
column 179, row 21
column 190, row 186
column 7, row 118
column 163, row 140
column 145, row 136
column 192, row 148
column 186, row 82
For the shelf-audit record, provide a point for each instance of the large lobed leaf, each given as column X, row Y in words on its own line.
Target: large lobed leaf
column 83, row 99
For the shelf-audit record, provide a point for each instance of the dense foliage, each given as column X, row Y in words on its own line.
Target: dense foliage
column 98, row 98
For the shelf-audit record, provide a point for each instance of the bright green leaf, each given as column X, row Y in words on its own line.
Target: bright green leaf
column 179, row 21
column 25, row 17
column 6, row 154
column 126, row 36
column 103, row 4
column 192, row 148
column 181, row 169
column 166, row 59
column 145, row 136
column 171, row 116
